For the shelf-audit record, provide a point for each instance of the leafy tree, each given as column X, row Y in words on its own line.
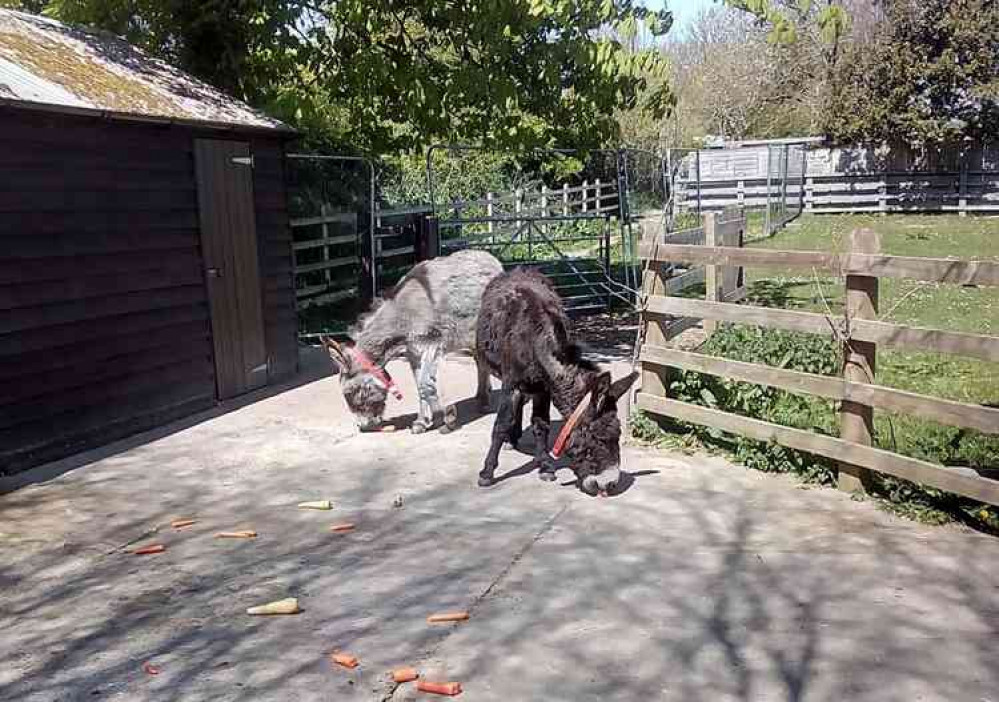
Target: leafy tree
column 385, row 75
column 930, row 75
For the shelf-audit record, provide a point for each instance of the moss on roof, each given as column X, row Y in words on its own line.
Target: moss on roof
column 62, row 64
column 110, row 74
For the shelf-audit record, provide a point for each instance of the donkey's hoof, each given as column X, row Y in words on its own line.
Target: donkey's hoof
column 418, row 428
column 445, row 429
column 509, row 445
column 486, row 481
column 451, row 417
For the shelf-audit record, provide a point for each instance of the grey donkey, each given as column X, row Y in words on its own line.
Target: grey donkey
column 431, row 312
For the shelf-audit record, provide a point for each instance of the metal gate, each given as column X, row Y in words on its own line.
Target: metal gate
column 576, row 227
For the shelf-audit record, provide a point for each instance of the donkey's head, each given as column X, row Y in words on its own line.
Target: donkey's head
column 594, row 444
column 365, row 387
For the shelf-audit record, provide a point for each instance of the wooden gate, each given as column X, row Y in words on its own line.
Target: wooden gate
column 232, row 271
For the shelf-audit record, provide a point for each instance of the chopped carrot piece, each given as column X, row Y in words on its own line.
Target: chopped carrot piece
column 447, row 617
column 344, row 659
column 403, row 675
column 152, row 548
column 150, row 668
column 248, row 534
column 179, row 523
column 342, row 527
column 446, row 688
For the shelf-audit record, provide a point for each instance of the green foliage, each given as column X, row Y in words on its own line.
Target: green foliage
column 387, row 76
column 930, row 76
column 476, row 172
column 784, row 19
column 911, row 436
column 806, row 353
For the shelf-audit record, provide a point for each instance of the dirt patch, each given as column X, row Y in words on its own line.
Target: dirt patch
column 612, row 333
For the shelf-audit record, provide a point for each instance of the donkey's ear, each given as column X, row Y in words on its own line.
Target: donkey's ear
column 340, row 358
column 601, row 392
column 621, row 386
column 607, row 393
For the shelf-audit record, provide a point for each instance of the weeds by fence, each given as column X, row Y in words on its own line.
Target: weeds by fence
column 858, row 332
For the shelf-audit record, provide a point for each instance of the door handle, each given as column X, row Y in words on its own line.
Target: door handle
column 214, row 272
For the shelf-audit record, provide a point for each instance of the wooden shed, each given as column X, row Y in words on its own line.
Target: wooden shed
column 145, row 248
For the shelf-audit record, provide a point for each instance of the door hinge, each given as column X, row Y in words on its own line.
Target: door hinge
column 243, row 160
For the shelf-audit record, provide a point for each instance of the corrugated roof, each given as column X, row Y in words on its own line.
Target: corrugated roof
column 44, row 62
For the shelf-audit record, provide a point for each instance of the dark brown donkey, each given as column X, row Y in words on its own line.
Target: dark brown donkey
column 523, row 337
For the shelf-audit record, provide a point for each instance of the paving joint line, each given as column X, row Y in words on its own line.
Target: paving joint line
column 548, row 525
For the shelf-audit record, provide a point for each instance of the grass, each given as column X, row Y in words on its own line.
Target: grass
column 940, row 306
column 949, row 307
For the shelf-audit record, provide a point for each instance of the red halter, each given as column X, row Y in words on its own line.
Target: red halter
column 365, row 362
column 569, row 426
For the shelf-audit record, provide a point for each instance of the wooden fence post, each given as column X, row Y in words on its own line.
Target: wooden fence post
column 565, row 199
column 489, row 213
column 544, row 207
column 518, row 205
column 596, row 196
column 740, row 194
column 883, row 195
column 323, row 211
column 856, row 422
column 962, row 190
column 654, row 380
column 710, row 270
column 586, row 193
column 809, row 194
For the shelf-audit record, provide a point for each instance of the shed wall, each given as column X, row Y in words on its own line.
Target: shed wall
column 104, row 318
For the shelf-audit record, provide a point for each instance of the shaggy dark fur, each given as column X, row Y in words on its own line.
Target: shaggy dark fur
column 523, row 337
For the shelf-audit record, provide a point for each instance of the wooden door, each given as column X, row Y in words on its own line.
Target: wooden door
column 232, row 271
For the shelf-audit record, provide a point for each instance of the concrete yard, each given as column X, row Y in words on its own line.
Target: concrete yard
column 702, row 581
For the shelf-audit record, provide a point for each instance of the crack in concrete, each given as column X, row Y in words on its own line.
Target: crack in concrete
column 500, row 577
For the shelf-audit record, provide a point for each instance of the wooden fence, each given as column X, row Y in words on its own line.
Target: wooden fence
column 961, row 192
column 726, row 284
column 496, row 209
column 859, row 332
column 332, row 258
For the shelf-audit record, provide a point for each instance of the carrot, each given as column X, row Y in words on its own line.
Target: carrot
column 316, row 504
column 150, row 668
column 403, row 675
column 236, row 535
column 342, row 527
column 289, row 605
column 178, row 523
column 344, row 659
column 152, row 548
column 446, row 688
column 447, row 617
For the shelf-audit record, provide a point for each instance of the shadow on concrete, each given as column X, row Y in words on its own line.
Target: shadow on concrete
column 313, row 366
column 704, row 593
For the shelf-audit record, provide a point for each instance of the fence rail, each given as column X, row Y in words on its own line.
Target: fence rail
column 859, row 333
column 542, row 203
column 666, row 278
column 962, row 193
column 330, row 267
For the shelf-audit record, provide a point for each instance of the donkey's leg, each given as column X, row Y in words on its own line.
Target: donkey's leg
column 425, row 413
column 430, row 360
column 483, row 388
column 501, row 431
column 517, row 403
column 541, row 423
